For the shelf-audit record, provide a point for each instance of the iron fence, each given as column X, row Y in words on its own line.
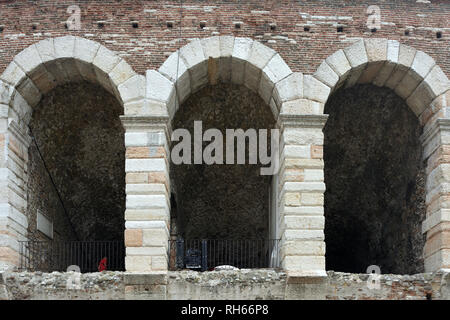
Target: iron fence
column 49, row 256
column 207, row 254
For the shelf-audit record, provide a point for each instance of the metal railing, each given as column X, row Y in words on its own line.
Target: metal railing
column 49, row 256
column 207, row 254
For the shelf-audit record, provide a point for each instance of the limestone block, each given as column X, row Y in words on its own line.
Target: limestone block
column 85, row 50
column 302, row 106
column 138, row 263
column 296, row 151
column 393, row 48
column 442, row 215
column 211, row 47
column 157, row 214
column 315, row 90
column 422, row 64
column 6, row 92
column 275, row 71
column 132, row 89
column 105, row 59
column 438, row 260
column 241, row 51
column 226, row 50
column 13, row 74
column 327, row 75
column 312, row 199
column 292, row 199
column 307, row 248
column 46, row 50
column 121, row 73
column 159, row 88
column 304, row 263
column 143, row 139
column 145, row 202
column 146, row 251
column 21, row 106
column 196, row 62
column 313, row 175
column 304, row 163
column 64, row 47
column 303, row 210
column 313, row 187
column 405, row 58
column 371, row 72
column 290, row 88
column 176, row 71
column 356, row 55
column 104, row 80
column 28, row 59
column 437, row 81
column 29, row 92
column 258, row 58
column 155, row 238
column 376, row 49
column 304, row 223
column 160, row 263
column 137, row 165
column 86, row 71
column 302, row 136
column 140, row 189
column 354, row 77
column 133, row 237
column 339, row 63
column 274, row 108
column 305, row 235
column 420, row 99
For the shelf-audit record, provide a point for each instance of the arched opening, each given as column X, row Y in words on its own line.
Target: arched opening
column 65, row 98
column 229, row 204
column 375, row 182
column 76, row 160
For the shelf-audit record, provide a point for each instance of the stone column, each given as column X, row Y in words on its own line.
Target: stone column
column 14, row 143
column 147, row 211
column 436, row 143
column 301, row 195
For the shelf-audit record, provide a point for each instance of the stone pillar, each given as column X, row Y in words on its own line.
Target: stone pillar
column 301, row 195
column 436, row 143
column 147, row 211
column 14, row 145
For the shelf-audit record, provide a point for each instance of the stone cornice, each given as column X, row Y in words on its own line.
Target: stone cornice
column 143, row 123
column 440, row 124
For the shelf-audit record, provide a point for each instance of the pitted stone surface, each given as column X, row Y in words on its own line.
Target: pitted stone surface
column 78, row 131
column 374, row 202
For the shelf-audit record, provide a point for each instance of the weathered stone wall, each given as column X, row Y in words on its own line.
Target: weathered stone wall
column 224, row 285
column 222, row 201
column 79, row 134
column 375, row 197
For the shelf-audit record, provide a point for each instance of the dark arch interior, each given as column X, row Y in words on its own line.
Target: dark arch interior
column 221, row 201
column 80, row 137
column 375, row 181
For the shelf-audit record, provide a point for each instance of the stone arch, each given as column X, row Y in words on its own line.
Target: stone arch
column 411, row 73
column 241, row 61
column 419, row 81
column 35, row 71
column 216, row 59
column 39, row 68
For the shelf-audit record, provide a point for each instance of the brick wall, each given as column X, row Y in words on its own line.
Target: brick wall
column 148, row 45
